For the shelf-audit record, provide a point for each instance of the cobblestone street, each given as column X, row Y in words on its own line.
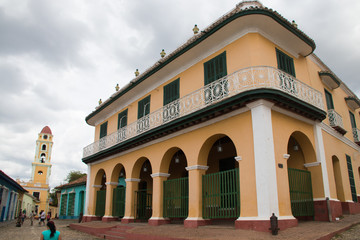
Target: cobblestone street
column 10, row 231
column 351, row 234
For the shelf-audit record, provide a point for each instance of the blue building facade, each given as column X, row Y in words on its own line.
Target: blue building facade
column 10, row 197
column 72, row 199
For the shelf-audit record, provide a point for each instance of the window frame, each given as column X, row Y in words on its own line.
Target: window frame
column 351, row 178
column 352, row 120
column 123, row 123
column 171, row 92
column 103, row 130
column 144, row 104
column 285, row 62
column 329, row 100
column 218, row 65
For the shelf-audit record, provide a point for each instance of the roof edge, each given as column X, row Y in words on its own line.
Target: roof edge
column 197, row 39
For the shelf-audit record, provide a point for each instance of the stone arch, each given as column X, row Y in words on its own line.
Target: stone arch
column 100, row 178
column 304, row 173
column 118, row 171
column 301, row 150
column 212, row 144
column 337, row 178
column 135, row 171
column 169, row 157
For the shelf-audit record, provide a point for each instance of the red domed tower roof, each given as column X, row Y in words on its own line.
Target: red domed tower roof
column 47, row 130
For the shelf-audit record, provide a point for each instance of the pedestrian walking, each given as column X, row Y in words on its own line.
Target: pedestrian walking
column 31, row 217
column 50, row 233
column 42, row 217
column 23, row 216
column 48, row 217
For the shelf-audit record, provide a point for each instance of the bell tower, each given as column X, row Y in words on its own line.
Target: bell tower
column 41, row 166
column 38, row 186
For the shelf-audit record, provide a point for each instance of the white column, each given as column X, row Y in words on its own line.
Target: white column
column 320, row 156
column 265, row 164
column 87, row 190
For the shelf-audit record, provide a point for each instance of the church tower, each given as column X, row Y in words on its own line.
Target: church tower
column 38, row 186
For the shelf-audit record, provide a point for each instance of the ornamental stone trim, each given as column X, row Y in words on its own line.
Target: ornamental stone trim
column 132, row 180
column 160, row 174
column 313, row 164
column 197, row 167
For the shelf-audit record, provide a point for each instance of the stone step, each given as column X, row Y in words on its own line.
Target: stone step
column 115, row 233
column 113, row 237
column 123, row 227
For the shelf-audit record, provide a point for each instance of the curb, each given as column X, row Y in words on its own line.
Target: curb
column 331, row 235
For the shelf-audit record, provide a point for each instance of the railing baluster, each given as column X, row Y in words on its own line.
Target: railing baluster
column 223, row 88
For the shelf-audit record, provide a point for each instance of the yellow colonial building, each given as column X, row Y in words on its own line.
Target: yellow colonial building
column 38, row 186
column 240, row 122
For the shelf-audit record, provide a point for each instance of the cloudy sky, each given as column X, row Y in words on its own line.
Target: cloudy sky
column 57, row 58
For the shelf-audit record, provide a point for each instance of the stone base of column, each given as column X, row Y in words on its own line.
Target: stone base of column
column 127, row 220
column 263, row 225
column 158, row 221
column 350, row 207
column 90, row 218
column 109, row 219
column 196, row 222
column 321, row 210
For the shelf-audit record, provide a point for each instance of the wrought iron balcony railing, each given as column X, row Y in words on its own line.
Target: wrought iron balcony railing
column 336, row 121
column 223, row 88
column 356, row 134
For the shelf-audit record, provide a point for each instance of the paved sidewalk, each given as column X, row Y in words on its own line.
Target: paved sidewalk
column 10, row 231
column 305, row 230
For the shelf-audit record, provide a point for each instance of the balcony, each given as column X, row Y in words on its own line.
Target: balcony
column 356, row 134
column 249, row 84
column 336, row 121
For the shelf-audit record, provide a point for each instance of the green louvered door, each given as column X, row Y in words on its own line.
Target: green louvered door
column 221, row 194
column 302, row 204
column 143, row 204
column 71, row 204
column 63, row 204
column 100, row 203
column 119, row 202
column 176, row 198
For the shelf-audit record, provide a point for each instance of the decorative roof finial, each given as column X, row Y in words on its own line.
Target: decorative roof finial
column 163, row 53
column 195, row 29
column 137, row 72
column 117, row 87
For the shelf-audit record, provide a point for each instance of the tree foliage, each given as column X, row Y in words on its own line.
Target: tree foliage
column 73, row 175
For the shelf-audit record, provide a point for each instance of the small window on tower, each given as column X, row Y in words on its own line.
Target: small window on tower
column 40, row 172
column 43, row 147
column 42, row 157
column 36, row 195
column 45, row 136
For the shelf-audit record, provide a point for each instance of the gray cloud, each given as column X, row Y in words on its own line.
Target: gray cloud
column 57, row 58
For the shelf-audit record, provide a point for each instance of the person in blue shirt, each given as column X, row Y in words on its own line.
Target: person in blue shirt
column 51, row 233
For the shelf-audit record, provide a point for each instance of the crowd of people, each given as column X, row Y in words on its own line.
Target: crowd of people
column 50, row 233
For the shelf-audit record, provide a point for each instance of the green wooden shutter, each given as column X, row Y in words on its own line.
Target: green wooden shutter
column 71, row 204
column 63, row 204
column 352, row 119
column 285, row 63
column 329, row 100
column 122, row 119
column 144, row 107
column 351, row 178
column 171, row 91
column 215, row 68
column 103, row 130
